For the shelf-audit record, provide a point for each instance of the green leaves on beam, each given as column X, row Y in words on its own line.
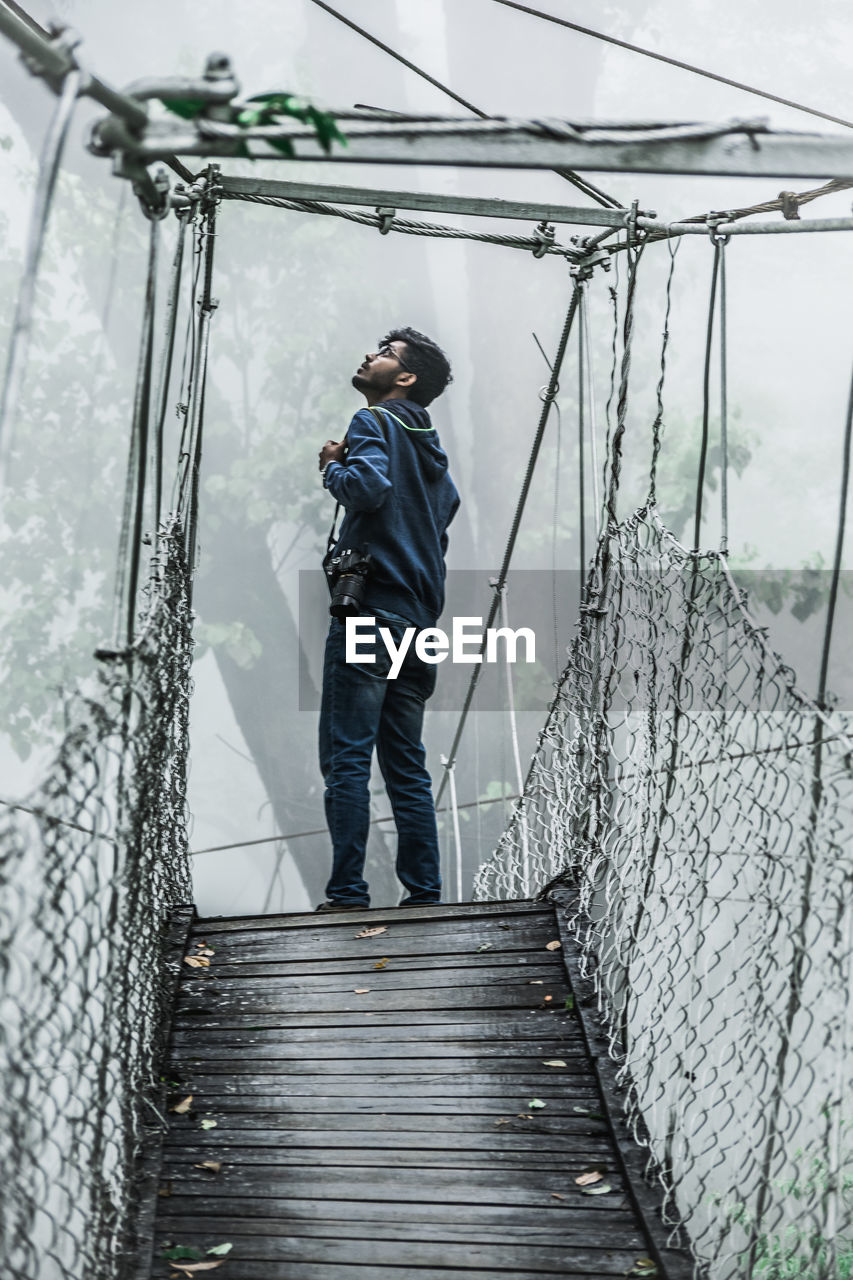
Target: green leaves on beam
column 268, row 108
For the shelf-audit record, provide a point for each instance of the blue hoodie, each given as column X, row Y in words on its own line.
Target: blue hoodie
column 399, row 499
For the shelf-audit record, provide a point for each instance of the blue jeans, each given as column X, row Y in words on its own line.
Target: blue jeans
column 361, row 708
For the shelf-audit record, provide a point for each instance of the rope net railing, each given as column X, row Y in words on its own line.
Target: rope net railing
column 88, row 880
column 94, row 864
column 697, row 808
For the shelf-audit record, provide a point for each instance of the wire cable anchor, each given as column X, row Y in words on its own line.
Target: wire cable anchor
column 386, row 218
column 544, row 235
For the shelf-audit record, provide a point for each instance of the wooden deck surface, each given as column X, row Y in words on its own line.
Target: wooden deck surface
column 372, row 1103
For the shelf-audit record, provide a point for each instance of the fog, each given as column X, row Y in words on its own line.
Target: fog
column 302, row 298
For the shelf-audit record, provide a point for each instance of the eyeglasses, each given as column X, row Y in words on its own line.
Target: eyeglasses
column 387, row 350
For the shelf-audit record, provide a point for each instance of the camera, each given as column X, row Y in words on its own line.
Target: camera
column 347, row 577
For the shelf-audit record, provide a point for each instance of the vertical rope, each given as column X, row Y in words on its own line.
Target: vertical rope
column 839, row 550
column 581, row 460
column 625, row 373
column 130, row 539
column 165, row 371
column 19, row 341
column 706, row 400
column 207, row 305
column 593, row 425
column 657, row 425
column 724, row 412
column 516, row 752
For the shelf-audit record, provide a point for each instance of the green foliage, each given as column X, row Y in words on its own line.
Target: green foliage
column 270, row 108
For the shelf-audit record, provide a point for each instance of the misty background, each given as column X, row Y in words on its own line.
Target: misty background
column 302, row 298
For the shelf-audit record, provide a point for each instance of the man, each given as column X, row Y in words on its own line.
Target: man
column 391, row 477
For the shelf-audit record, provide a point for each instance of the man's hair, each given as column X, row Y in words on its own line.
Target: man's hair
column 426, row 360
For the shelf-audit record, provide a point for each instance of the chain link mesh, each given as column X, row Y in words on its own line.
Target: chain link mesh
column 698, row 808
column 89, row 875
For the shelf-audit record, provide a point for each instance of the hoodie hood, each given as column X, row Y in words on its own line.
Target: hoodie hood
column 416, row 421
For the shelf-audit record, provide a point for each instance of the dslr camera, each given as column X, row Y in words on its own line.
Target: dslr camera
column 346, row 574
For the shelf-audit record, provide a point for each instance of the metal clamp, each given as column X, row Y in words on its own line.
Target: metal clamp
column 386, row 218
column 790, row 206
column 544, row 236
column 151, row 189
column 64, row 40
column 713, row 222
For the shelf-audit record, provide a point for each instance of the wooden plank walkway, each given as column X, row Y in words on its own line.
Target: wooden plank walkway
column 372, row 1103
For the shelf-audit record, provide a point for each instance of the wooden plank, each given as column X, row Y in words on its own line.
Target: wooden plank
column 399, row 942
column 272, row 999
column 394, row 1083
column 412, row 971
column 259, row 1183
column 562, row 1228
column 548, row 1259
column 438, row 1033
column 298, row 1209
column 439, row 1103
column 410, row 1156
column 236, row 1048
column 356, row 1271
column 514, row 1136
column 521, row 1021
column 237, row 961
column 320, row 984
column 451, row 911
column 241, row 1064
column 547, row 1122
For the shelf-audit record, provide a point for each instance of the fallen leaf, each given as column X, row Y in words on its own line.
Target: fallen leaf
column 598, row 1189
column 547, row 998
column 557, row 1195
column 182, row 1251
column 536, row 1102
column 206, row 951
column 372, row 933
column 221, row 1249
column 646, row 1265
column 553, row 946
column 165, row 1190
column 181, row 1108
column 213, row 1165
column 485, row 946
column 380, row 964
column 570, row 1003
column 554, row 1062
column 537, row 982
column 197, row 962
column 208, row 1124
column 503, row 1120
column 588, row 1178
column 361, row 991
column 523, row 1115
column 191, row 1268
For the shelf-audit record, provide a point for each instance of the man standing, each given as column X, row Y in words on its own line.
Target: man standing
column 390, row 475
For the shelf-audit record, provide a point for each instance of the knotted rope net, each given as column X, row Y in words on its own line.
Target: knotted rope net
column 698, row 807
column 89, row 876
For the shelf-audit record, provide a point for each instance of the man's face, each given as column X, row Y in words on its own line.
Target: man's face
column 381, row 369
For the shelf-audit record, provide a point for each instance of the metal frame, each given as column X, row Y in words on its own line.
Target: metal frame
column 475, row 206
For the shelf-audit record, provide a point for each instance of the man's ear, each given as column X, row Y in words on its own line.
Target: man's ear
column 405, row 379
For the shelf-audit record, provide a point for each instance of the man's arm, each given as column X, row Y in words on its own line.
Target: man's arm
column 358, row 478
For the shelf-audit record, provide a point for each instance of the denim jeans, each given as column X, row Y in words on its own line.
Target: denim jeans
column 361, row 708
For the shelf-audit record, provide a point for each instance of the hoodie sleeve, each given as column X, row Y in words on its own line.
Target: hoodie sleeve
column 361, row 483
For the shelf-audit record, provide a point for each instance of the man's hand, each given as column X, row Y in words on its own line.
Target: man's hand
column 332, row 452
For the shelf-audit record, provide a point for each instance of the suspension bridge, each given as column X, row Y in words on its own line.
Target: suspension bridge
column 630, row 1054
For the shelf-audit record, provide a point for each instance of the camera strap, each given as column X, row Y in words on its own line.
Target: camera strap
column 332, row 538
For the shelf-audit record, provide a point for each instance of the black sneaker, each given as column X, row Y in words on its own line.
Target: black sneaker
column 429, row 902
column 343, row 906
